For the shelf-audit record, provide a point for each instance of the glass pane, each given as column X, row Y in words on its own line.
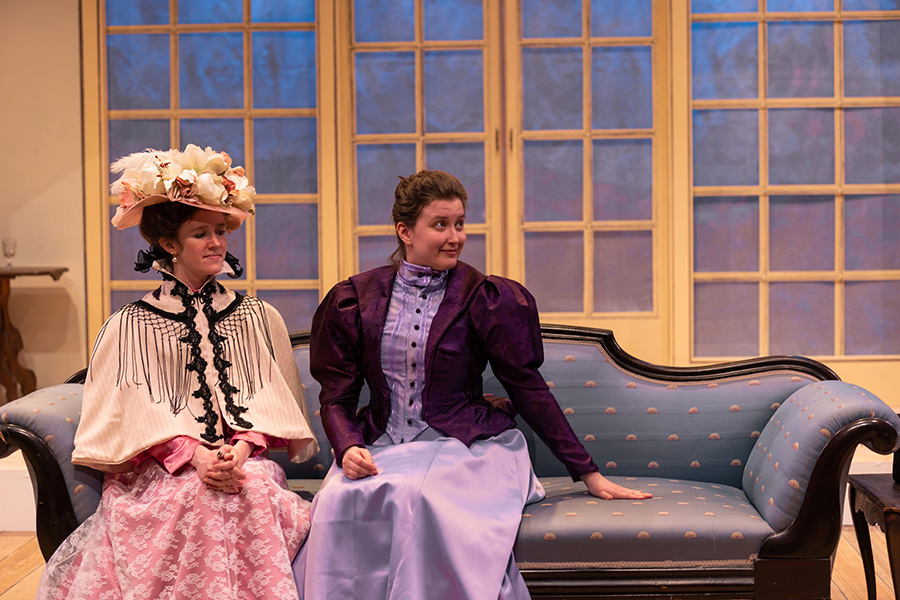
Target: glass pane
column 237, row 246
column 872, row 321
column 623, row 271
column 210, row 11
column 554, row 270
column 129, row 136
column 475, row 251
column 384, row 20
column 211, row 70
column 871, row 226
column 801, row 233
column 724, row 60
column 224, row 135
column 801, row 146
column 551, row 18
column 385, row 92
column 726, row 319
column 621, row 88
column 800, row 5
column 297, row 307
column 872, row 142
column 723, row 6
column 801, row 318
column 287, row 241
column 872, row 58
column 801, row 60
column 552, row 88
column 120, row 298
column 378, row 167
column 282, row 11
column 553, row 184
column 147, row 12
column 454, row 20
column 466, row 161
column 623, row 180
column 726, row 147
column 375, row 251
column 123, row 249
column 284, row 69
column 138, row 71
column 284, row 156
column 726, row 234
column 454, row 91
column 871, row 4
column 614, row 18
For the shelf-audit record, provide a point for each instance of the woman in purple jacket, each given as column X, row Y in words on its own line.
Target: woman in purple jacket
column 430, row 478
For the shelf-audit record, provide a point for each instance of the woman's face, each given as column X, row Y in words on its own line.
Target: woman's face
column 438, row 235
column 200, row 247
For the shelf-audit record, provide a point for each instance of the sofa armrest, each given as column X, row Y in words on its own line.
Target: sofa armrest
column 796, row 471
column 42, row 425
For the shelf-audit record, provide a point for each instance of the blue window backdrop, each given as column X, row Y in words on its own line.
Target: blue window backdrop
column 789, row 237
column 587, row 155
column 418, row 92
column 258, row 106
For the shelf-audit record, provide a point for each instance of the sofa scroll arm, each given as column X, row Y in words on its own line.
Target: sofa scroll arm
column 817, row 528
column 55, row 515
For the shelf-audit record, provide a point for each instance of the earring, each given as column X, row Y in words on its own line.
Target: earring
column 174, row 259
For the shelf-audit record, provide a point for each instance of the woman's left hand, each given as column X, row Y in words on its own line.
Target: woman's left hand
column 227, row 474
column 601, row 487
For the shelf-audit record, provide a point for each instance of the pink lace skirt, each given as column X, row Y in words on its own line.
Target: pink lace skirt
column 157, row 535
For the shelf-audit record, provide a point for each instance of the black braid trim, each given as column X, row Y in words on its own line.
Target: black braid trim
column 198, row 364
column 221, row 363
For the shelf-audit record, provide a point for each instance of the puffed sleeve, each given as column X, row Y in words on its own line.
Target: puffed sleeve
column 336, row 363
column 505, row 315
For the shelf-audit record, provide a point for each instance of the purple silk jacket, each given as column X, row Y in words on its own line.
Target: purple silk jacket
column 481, row 318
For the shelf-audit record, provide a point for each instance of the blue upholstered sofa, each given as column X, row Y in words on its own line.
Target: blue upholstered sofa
column 746, row 461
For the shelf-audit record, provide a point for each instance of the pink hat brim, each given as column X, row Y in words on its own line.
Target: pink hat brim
column 131, row 216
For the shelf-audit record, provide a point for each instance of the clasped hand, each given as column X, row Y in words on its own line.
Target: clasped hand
column 221, row 469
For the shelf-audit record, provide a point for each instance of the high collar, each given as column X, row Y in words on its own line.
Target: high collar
column 164, row 266
column 419, row 276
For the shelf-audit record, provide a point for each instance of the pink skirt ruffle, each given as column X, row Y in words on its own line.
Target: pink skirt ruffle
column 157, row 535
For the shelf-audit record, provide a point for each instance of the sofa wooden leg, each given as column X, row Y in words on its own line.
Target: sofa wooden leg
column 793, row 579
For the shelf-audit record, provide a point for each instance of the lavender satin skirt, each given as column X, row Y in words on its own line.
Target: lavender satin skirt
column 438, row 522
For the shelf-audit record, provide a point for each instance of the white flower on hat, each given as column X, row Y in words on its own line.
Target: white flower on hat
column 201, row 177
column 209, row 187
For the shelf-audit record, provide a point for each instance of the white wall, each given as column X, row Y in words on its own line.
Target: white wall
column 41, row 202
column 42, row 198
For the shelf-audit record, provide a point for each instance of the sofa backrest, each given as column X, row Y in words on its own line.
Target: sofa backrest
column 635, row 419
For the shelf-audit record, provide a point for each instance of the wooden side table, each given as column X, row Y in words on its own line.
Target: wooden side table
column 875, row 500
column 12, row 374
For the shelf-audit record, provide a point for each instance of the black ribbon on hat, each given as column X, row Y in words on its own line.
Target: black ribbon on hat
column 146, row 258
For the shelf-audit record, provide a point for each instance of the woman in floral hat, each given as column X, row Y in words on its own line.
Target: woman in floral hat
column 186, row 389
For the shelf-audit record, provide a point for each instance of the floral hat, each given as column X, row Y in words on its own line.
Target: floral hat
column 201, row 178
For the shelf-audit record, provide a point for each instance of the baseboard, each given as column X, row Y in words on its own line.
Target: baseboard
column 18, row 498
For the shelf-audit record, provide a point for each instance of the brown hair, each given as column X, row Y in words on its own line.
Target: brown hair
column 163, row 220
column 415, row 192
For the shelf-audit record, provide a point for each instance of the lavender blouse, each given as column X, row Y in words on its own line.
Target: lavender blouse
column 415, row 299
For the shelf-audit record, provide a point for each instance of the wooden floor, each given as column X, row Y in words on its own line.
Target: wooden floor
column 21, row 565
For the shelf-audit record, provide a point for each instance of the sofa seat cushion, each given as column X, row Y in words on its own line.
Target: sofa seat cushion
column 685, row 521
column 305, row 488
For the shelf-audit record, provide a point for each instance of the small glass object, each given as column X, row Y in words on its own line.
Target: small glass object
column 9, row 250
